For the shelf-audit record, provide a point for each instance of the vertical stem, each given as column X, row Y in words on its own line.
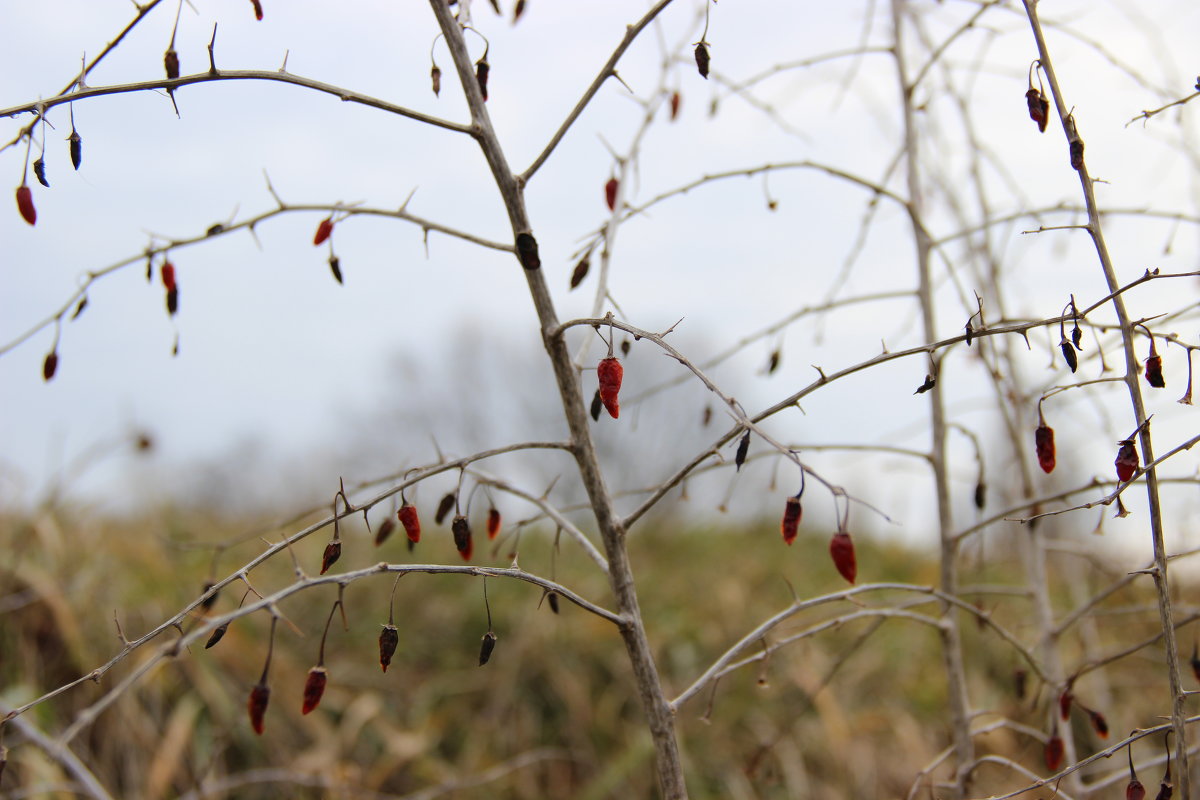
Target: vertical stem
column 956, row 684
column 1132, row 374
column 660, row 720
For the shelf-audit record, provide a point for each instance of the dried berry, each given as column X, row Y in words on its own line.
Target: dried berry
column 791, row 519
column 610, row 193
column 50, row 365
column 1127, row 460
column 324, row 231
column 1064, row 704
column 610, row 372
column 493, row 523
column 435, row 76
column 257, row 10
column 1135, row 790
column 486, row 647
column 335, row 266
column 1154, row 373
column 260, row 695
column 1039, row 108
column 743, row 448
column 674, row 105
column 168, row 275
column 1077, row 154
column 969, row 333
column 39, row 171
column 172, row 301
column 597, row 406
column 314, row 687
column 481, row 75
column 1054, row 753
column 444, row 508
column 518, row 10
column 410, row 521
column 1076, row 337
column 25, row 204
column 841, row 549
column 171, row 64
column 1068, row 351
column 79, row 308
column 773, row 361
column 385, row 531
column 929, row 383
column 462, row 535
column 581, row 271
column 1099, row 723
column 76, row 147
column 333, row 551
column 702, row 59
column 527, row 251
column 1043, row 439
column 980, row 495
column 552, row 599
column 208, row 602
column 389, row 637
column 217, row 634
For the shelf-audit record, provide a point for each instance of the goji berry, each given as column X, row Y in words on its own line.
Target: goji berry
column 791, row 519
column 1043, row 439
column 314, row 687
column 1127, row 460
column 410, row 521
column 610, row 373
column 25, row 204
column 260, row 695
column 324, row 231
column 389, row 638
column 841, row 549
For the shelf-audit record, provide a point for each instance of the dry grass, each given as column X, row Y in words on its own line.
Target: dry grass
column 853, row 712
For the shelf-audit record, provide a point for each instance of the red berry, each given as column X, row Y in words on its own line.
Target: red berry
column 841, row 548
column 610, row 373
column 610, row 193
column 25, row 204
column 324, row 230
column 791, row 519
column 314, row 687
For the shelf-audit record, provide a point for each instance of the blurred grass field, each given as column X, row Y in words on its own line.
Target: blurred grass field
column 855, row 711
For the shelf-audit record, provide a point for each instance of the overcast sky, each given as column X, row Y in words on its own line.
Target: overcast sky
column 276, row 360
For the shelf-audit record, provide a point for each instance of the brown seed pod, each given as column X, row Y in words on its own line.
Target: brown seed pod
column 462, row 535
column 1077, row 154
column 518, row 10
column 581, row 271
column 597, row 406
column 260, row 695
column 743, row 448
column 314, row 687
column 216, row 636
column 486, row 647
column 333, row 551
column 435, row 76
column 527, row 251
column 389, row 638
column 482, row 68
column 980, row 495
column 674, row 105
column 1039, row 108
column 172, row 301
column 385, row 531
column 444, row 508
column 76, row 147
column 39, row 171
column 25, row 204
column 335, row 266
column 258, row 14
column 410, row 521
column 702, row 59
column 552, row 599
column 1068, row 351
column 171, row 64
column 50, row 366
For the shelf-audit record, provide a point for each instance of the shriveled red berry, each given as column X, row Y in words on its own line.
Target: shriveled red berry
column 1039, row 108
column 25, row 204
column 482, row 68
column 462, row 535
column 49, row 366
column 1127, row 460
column 260, row 695
column 791, row 519
column 314, row 687
column 333, row 551
column 610, row 372
column 389, row 637
column 385, row 531
column 702, row 59
column 324, row 231
column 841, row 549
column 257, row 10
column 1154, row 373
column 486, row 647
column 493, row 523
column 610, row 193
column 1043, row 439
column 410, row 521
column 168, row 275
column 1054, row 753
